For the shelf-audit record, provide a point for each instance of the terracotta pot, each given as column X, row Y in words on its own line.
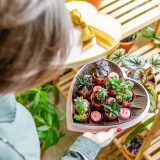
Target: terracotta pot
column 85, row 94
column 127, row 45
column 96, row 3
column 129, row 153
column 106, row 115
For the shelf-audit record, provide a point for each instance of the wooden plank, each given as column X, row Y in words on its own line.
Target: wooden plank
column 155, row 140
column 157, row 30
column 115, row 6
column 137, row 12
column 67, row 79
column 127, row 8
column 105, row 3
column 66, row 75
column 153, row 51
column 144, row 49
column 140, row 22
column 156, row 156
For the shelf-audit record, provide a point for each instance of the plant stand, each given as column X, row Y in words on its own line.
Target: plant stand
column 133, row 16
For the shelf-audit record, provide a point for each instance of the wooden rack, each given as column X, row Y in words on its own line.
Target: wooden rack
column 133, row 15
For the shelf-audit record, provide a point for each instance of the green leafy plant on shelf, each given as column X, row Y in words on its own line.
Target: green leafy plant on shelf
column 40, row 104
column 150, row 34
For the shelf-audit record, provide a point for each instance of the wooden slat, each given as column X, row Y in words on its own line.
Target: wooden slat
column 115, row 6
column 153, row 51
column 144, row 49
column 105, row 3
column 66, row 75
column 140, row 22
column 136, row 12
column 156, row 156
column 127, row 8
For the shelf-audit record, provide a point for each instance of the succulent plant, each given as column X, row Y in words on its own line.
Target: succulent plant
column 133, row 62
column 117, row 55
column 81, row 105
column 84, row 83
column 101, row 94
column 154, row 60
column 101, row 69
column 79, row 117
column 113, row 82
column 112, row 108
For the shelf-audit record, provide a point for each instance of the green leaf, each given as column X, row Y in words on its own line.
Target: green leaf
column 137, row 130
column 40, row 119
column 49, row 119
column 41, row 135
column 133, row 62
column 51, row 138
column 43, row 128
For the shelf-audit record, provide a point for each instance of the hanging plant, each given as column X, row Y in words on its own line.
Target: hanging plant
column 154, row 60
column 133, row 62
column 117, row 55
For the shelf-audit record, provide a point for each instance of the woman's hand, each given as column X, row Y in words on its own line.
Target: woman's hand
column 103, row 138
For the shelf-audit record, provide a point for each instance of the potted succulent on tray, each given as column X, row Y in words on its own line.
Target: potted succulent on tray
column 128, row 42
column 112, row 85
column 101, row 71
column 111, row 110
column 84, row 85
column 81, row 109
column 124, row 94
column 98, row 97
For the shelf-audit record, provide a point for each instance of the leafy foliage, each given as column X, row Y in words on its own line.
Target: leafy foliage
column 80, row 104
column 154, row 60
column 84, row 83
column 151, row 35
column 112, row 108
column 44, row 112
column 133, row 62
column 117, row 55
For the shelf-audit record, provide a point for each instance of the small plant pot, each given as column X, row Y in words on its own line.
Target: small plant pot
column 100, row 81
column 85, row 94
column 125, row 104
column 127, row 45
column 128, row 152
column 106, row 115
column 97, row 106
column 87, row 113
column 96, row 116
column 111, row 92
column 96, row 3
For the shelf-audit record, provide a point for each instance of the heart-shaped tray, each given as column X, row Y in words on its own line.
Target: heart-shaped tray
column 139, row 107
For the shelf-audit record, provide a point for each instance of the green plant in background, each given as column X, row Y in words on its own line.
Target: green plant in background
column 117, row 55
column 150, row 33
column 40, row 104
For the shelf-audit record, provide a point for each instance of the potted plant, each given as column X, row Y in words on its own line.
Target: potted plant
column 84, row 85
column 96, row 3
column 81, row 106
column 96, row 116
column 81, row 109
column 101, row 71
column 124, row 93
column 98, row 97
column 133, row 146
column 128, row 42
column 111, row 110
column 112, row 85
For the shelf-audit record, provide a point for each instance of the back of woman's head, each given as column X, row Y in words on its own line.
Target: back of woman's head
column 33, row 33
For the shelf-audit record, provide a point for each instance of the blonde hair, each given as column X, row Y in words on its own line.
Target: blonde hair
column 33, row 34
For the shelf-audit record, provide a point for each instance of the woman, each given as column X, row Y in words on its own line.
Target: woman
column 33, row 35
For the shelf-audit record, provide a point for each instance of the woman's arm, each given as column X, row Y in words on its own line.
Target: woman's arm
column 86, row 147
